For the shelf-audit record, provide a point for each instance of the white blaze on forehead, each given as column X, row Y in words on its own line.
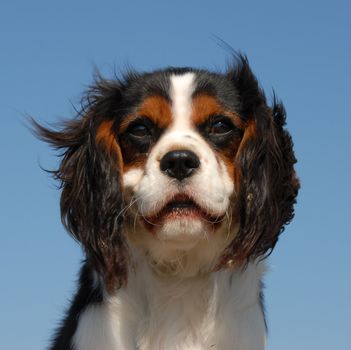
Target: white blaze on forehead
column 182, row 88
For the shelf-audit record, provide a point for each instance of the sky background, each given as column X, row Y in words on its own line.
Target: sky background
column 302, row 49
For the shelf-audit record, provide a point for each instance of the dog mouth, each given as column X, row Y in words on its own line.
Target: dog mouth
column 182, row 206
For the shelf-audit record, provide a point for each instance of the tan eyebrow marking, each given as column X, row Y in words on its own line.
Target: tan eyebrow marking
column 205, row 105
column 156, row 108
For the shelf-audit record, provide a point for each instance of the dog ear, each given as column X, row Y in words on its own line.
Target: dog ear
column 90, row 178
column 267, row 185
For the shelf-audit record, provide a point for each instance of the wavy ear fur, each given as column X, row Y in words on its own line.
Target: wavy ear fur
column 91, row 199
column 268, row 185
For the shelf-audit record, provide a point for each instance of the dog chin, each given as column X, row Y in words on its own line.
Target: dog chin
column 186, row 247
column 182, row 230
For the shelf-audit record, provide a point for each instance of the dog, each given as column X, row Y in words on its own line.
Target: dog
column 177, row 184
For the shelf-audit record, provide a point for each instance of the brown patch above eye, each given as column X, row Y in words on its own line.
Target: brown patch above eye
column 155, row 108
column 205, row 105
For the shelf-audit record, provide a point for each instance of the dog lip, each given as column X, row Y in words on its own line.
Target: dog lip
column 182, row 205
column 180, row 202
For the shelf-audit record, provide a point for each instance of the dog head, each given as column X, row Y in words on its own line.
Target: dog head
column 190, row 167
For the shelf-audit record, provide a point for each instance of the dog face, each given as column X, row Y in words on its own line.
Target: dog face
column 178, row 171
column 191, row 167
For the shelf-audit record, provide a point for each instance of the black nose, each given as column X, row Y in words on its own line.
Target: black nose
column 179, row 164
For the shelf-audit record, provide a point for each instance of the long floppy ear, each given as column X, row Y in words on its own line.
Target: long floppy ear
column 89, row 175
column 268, row 185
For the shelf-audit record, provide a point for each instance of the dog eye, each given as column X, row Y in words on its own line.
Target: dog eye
column 139, row 130
column 220, row 127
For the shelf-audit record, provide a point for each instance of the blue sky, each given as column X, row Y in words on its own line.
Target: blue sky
column 48, row 51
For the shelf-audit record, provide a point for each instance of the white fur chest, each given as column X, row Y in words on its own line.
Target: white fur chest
column 221, row 311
